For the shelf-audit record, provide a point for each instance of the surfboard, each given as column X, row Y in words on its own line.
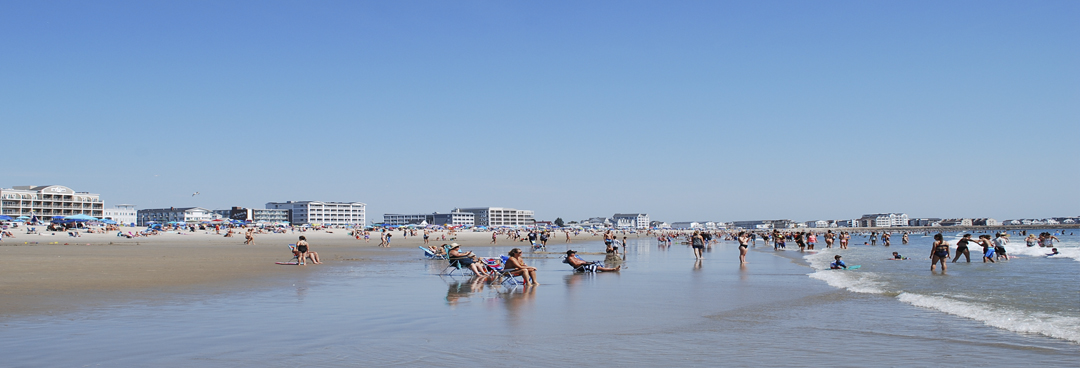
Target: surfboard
column 287, row 263
column 854, row 267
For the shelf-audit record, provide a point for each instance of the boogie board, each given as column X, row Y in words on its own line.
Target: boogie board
column 287, row 263
column 849, row 268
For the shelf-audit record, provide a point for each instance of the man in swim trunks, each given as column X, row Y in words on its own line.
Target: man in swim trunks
column 988, row 248
column 575, row 262
column 962, row 248
column 999, row 245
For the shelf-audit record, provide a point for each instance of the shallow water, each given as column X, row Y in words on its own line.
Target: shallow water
column 662, row 309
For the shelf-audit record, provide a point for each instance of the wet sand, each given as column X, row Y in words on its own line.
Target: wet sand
column 48, row 278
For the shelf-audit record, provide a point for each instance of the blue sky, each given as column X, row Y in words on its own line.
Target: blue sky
column 684, row 110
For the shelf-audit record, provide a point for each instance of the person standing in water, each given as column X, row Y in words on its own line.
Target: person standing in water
column 988, row 248
column 698, row 243
column 743, row 240
column 962, row 248
column 885, row 239
column 829, row 239
column 873, row 238
column 999, row 245
column 939, row 253
column 904, row 239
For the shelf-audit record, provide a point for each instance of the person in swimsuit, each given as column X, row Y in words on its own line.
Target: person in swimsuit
column 999, row 245
column 904, row 239
column 939, row 252
column 829, row 239
column 778, row 240
column 467, row 259
column 885, row 239
column 845, row 237
column 988, row 248
column 873, row 238
column 517, row 267
column 743, row 239
column 304, row 252
column 1031, row 240
column 799, row 241
column 698, row 243
column 962, row 248
column 575, row 262
column 1046, row 240
column 897, row 257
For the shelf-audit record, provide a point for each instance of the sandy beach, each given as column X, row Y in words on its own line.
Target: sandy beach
column 51, row 273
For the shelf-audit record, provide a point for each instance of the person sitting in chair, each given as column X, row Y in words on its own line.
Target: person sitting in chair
column 517, row 267
column 466, row 259
column 577, row 263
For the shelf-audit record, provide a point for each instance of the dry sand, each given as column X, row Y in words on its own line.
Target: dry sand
column 47, row 278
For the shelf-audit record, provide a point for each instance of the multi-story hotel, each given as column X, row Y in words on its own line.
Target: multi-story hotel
column 455, row 218
column 174, row 214
column 498, row 216
column 264, row 215
column 122, row 213
column 632, row 220
column 323, row 213
column 46, row 201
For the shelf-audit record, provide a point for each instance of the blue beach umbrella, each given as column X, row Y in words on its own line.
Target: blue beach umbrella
column 5, row 218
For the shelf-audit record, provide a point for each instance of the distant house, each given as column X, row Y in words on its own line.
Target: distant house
column 955, row 222
column 631, row 220
column 687, row 225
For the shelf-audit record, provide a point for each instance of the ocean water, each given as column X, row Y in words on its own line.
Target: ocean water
column 1032, row 293
column 663, row 309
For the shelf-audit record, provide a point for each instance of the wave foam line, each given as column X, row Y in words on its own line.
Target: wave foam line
column 1061, row 327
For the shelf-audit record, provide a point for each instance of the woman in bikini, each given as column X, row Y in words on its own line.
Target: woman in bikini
column 939, row 253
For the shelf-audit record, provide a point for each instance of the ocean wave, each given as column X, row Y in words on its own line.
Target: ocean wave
column 859, row 282
column 1061, row 327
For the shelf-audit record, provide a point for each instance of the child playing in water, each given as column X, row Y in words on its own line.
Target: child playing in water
column 897, row 257
column 838, row 264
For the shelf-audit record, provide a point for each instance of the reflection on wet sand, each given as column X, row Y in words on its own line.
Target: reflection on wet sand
column 464, row 289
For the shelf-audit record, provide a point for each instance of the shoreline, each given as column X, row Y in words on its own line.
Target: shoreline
column 48, row 278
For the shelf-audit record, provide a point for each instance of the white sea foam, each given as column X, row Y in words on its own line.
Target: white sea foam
column 859, row 282
column 1062, row 327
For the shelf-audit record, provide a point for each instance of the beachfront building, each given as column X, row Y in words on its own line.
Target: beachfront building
column 924, row 222
column 820, row 224
column 659, row 225
column 122, row 214
column 173, row 214
column 955, row 222
column 499, row 216
column 397, row 219
column 46, row 201
column 454, row 218
column 256, row 215
column 687, row 225
column 884, row 220
column 596, row 222
column 984, row 222
column 323, row 213
column 631, row 220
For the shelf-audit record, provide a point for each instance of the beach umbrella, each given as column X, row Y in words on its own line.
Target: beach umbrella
column 5, row 218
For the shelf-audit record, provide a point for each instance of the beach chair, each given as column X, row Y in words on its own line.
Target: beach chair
column 454, row 264
column 587, row 267
column 295, row 256
column 432, row 255
column 505, row 275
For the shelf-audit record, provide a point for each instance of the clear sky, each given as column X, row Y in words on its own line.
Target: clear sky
column 692, row 110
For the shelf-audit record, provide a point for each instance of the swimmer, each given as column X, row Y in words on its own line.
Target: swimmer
column 838, row 264
column 1055, row 252
column 897, row 257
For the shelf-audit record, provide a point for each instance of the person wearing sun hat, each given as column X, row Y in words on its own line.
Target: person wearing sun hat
column 466, row 259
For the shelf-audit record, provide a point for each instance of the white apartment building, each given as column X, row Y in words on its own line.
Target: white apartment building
column 324, row 213
column 454, row 218
column 884, row 220
column 684, row 225
column 173, row 214
column 122, row 213
column 498, row 216
column 632, row 220
column 400, row 219
column 46, row 201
